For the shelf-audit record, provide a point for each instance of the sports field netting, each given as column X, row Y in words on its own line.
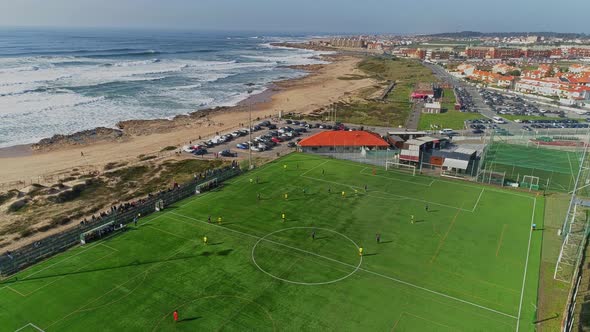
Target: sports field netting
column 463, row 264
column 556, row 169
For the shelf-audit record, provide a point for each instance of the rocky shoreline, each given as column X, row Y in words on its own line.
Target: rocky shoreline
column 126, row 129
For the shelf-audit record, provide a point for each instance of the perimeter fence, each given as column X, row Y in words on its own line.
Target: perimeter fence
column 13, row 261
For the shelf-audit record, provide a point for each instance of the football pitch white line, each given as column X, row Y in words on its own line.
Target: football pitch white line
column 477, row 202
column 398, row 180
column 571, row 166
column 474, row 185
column 395, row 195
column 311, row 169
column 526, row 266
column 62, row 277
column 61, row 261
column 32, row 325
column 117, row 286
column 350, row 265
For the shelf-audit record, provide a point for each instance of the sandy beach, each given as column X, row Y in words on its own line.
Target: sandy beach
column 304, row 95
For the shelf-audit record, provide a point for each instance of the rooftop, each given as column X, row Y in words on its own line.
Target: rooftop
column 344, row 138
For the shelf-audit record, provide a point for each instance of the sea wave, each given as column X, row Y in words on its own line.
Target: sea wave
column 45, row 93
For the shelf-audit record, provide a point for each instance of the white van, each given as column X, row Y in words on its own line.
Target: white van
column 498, row 119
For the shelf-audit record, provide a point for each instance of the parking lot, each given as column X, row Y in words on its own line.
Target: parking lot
column 269, row 140
column 513, row 105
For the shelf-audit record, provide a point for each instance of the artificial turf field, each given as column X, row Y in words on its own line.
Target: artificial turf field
column 459, row 267
column 558, row 167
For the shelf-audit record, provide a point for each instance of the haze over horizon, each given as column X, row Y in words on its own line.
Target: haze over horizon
column 304, row 16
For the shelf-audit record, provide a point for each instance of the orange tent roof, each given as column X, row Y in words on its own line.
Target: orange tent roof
column 343, row 138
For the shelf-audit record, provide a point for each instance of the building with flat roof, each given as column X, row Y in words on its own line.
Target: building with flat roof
column 432, row 108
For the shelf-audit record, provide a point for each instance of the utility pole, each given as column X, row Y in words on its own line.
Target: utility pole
column 250, row 133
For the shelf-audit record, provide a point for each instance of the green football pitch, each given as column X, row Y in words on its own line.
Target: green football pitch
column 468, row 262
column 559, row 168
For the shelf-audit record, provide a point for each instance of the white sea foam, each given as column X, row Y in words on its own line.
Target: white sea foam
column 45, row 95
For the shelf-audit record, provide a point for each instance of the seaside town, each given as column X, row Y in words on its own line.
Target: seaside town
column 552, row 67
column 292, row 166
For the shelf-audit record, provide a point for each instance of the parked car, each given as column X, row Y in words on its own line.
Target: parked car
column 276, row 140
column 291, row 144
column 228, row 153
column 200, row 152
column 242, row 146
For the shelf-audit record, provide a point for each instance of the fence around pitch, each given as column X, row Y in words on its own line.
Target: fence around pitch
column 53, row 244
column 569, row 315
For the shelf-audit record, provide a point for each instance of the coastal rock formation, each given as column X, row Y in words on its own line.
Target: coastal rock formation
column 80, row 138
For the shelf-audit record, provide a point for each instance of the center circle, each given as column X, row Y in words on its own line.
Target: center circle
column 265, row 239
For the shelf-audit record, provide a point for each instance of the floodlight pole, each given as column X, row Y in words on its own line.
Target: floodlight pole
column 250, row 133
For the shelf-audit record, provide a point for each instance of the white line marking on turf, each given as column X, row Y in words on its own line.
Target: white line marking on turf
column 350, row 265
column 32, row 325
column 264, row 238
column 109, row 247
column 117, row 286
column 401, row 196
column 571, row 167
column 398, row 180
column 457, row 183
column 477, row 202
column 61, row 261
column 311, row 169
column 77, row 270
column 87, row 248
column 526, row 265
column 14, row 290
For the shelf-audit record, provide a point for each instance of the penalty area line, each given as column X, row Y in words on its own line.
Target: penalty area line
column 31, row 325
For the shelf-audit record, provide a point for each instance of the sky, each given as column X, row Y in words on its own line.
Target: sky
column 305, row 16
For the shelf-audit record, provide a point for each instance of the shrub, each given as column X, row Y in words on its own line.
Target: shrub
column 16, row 206
column 5, row 197
column 144, row 158
column 27, row 232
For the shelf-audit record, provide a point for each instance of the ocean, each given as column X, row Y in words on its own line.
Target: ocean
column 64, row 81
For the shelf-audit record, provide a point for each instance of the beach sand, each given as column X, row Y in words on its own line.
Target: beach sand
column 304, row 95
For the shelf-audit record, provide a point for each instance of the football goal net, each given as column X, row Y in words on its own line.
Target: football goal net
column 530, row 182
column 160, row 205
column 395, row 166
column 491, row 177
column 206, row 186
column 100, row 231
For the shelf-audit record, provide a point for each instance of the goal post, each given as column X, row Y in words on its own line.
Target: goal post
column 205, row 186
column 530, row 182
column 159, row 205
column 100, row 231
column 395, row 166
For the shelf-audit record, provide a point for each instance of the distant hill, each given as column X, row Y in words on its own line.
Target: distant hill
column 476, row 34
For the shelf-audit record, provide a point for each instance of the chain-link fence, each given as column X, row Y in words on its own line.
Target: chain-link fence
column 552, row 162
column 359, row 155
